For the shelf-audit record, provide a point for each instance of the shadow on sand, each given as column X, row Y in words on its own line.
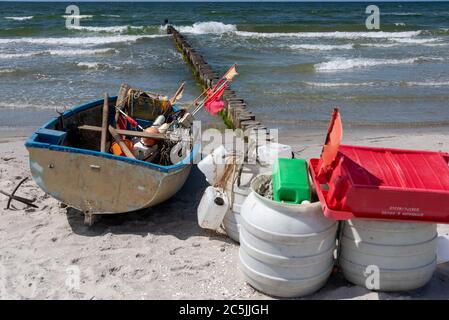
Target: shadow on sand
column 176, row 216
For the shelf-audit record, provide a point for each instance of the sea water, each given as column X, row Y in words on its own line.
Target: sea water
column 296, row 61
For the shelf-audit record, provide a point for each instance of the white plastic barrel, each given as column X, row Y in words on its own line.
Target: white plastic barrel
column 212, row 208
column 286, row 250
column 403, row 253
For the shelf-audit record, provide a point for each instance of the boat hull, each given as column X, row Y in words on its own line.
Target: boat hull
column 101, row 185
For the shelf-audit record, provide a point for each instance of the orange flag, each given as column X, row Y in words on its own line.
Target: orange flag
column 330, row 148
column 231, row 73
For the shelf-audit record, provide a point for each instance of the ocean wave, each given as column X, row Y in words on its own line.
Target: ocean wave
column 112, row 29
column 321, row 47
column 207, row 27
column 347, row 64
column 111, row 15
column 61, row 52
column 431, row 42
column 339, row 84
column 18, row 55
column 332, row 35
column 20, row 18
column 88, row 65
column 3, row 71
column 426, row 84
column 414, row 41
column 81, row 52
column 376, row 84
column 82, row 16
column 79, row 40
column 96, row 66
column 379, row 45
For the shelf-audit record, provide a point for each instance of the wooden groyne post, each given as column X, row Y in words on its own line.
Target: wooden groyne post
column 235, row 115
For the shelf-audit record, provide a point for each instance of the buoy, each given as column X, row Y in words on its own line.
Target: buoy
column 149, row 142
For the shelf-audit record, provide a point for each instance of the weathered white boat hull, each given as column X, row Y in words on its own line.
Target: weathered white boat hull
column 99, row 185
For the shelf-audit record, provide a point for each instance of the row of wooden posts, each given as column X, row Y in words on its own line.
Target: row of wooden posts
column 235, row 113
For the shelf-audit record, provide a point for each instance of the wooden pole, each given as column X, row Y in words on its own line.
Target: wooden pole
column 104, row 123
column 122, row 145
column 121, row 99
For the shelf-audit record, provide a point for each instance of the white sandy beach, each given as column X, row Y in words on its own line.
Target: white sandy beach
column 160, row 253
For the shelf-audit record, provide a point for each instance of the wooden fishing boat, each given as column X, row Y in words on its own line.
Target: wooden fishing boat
column 66, row 162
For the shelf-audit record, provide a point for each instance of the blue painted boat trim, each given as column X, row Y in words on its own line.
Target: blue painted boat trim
column 32, row 143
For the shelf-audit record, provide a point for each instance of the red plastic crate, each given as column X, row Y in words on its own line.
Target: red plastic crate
column 385, row 184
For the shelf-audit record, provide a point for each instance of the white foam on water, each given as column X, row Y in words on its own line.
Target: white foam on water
column 18, row 55
column 430, row 42
column 81, row 52
column 112, row 29
column 332, row 35
column 59, row 52
column 339, row 84
column 79, row 40
column 89, row 65
column 428, row 84
column 111, row 15
column 378, row 84
column 380, row 45
column 347, row 64
column 20, row 18
column 321, row 47
column 2, row 71
column 96, row 65
column 81, row 16
column 207, row 27
column 414, row 41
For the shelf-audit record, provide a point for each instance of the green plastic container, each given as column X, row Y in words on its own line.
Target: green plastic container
column 290, row 181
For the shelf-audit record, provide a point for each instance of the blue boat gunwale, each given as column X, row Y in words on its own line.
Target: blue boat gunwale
column 32, row 143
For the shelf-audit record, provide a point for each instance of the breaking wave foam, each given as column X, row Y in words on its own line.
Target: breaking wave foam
column 339, row 84
column 414, row 41
column 2, row 71
column 81, row 52
column 347, row 64
column 428, row 84
column 112, row 29
column 20, row 18
column 332, row 35
column 18, row 55
column 96, row 65
column 60, row 52
column 78, row 40
column 207, row 27
column 82, row 16
column 321, row 47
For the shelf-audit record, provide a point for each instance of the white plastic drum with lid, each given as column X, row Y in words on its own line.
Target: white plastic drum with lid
column 402, row 254
column 286, row 250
